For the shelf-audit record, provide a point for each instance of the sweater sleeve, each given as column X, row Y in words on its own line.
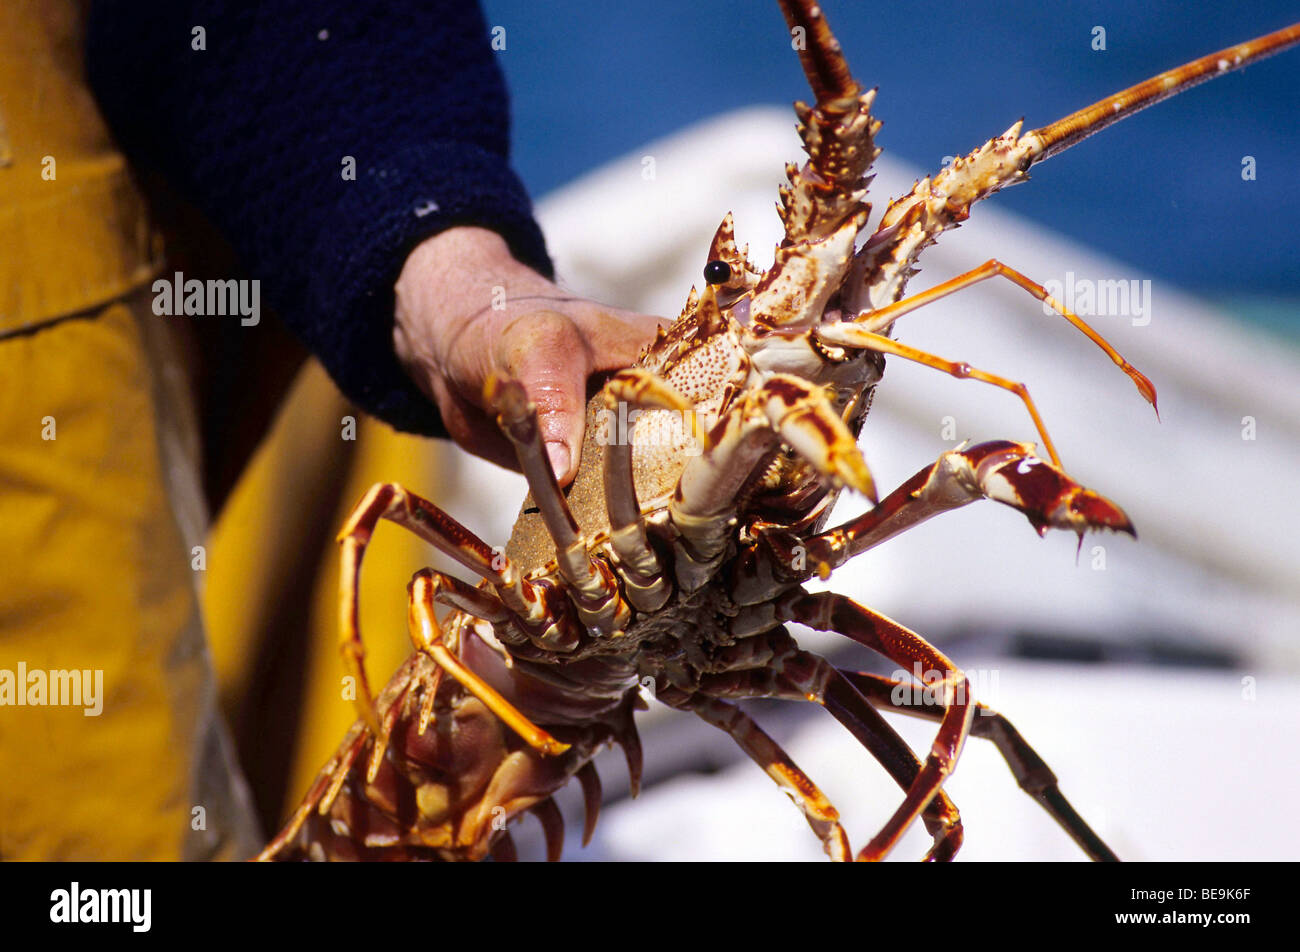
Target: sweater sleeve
column 325, row 140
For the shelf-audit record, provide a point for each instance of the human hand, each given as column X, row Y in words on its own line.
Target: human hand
column 466, row 309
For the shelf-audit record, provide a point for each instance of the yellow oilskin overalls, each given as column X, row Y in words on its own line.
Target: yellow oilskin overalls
column 100, row 506
column 101, row 512
column 273, row 581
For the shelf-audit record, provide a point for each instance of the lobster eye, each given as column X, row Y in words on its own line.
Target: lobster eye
column 717, row 272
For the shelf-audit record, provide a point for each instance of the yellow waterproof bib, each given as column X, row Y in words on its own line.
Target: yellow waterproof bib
column 110, row 743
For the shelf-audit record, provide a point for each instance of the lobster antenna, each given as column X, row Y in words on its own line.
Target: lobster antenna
column 1077, row 126
column 819, row 52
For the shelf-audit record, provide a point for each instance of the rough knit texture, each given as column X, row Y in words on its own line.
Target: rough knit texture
column 254, row 130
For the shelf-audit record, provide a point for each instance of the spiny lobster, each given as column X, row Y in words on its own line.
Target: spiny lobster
column 679, row 553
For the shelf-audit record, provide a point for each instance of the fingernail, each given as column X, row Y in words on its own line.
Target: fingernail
column 559, row 456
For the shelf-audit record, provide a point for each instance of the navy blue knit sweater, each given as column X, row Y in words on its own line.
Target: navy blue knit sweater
column 255, row 130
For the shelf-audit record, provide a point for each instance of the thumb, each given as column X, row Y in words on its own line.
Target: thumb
column 547, row 353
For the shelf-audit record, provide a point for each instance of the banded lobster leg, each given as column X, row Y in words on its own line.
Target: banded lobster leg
column 849, row 335
column 424, row 519
column 881, row 319
column 590, row 582
column 852, row 698
column 831, row 612
column 427, row 637
column 1004, row 471
column 861, row 336
column 774, row 761
column 1007, row 472
column 771, row 665
column 1030, row 770
column 597, row 596
column 639, row 566
column 1000, row 470
column 784, row 409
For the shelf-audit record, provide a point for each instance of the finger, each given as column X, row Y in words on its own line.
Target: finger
column 549, row 355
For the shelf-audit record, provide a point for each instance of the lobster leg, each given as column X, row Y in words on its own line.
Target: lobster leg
column 424, row 519
column 776, row 763
column 427, row 637
column 830, row 612
column 329, row 779
column 590, row 582
column 881, row 319
column 478, row 602
column 782, row 670
column 941, row 817
column 1003, row 471
column 1031, row 772
column 338, row 771
column 854, row 336
column 548, row 814
column 503, row 849
column 638, row 565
